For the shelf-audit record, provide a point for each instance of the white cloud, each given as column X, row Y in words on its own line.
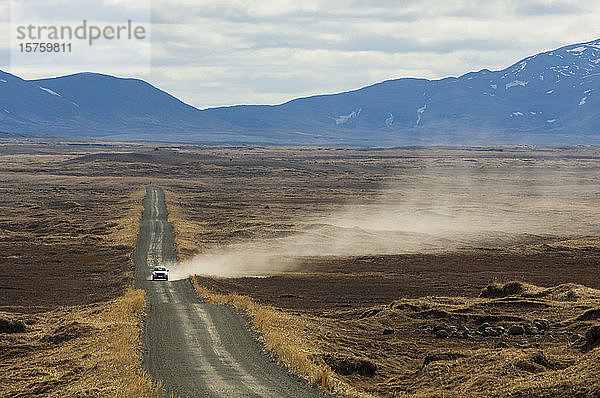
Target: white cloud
column 214, row 52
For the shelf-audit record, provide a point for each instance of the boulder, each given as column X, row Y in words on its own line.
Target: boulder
column 541, row 324
column 531, row 330
column 516, row 330
column 497, row 290
column 442, row 334
column 592, row 336
column 483, row 327
column 576, row 338
column 9, row 325
column 495, row 332
column 369, row 313
column 438, row 327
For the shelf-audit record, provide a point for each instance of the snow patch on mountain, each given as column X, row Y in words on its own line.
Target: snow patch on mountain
column 515, row 83
column 49, row 91
column 522, row 66
column 390, row 120
column 343, row 119
column 420, row 112
column 484, row 102
column 563, row 70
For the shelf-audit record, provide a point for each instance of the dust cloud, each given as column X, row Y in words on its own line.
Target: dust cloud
column 423, row 214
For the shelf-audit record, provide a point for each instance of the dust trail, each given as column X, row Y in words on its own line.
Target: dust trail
column 454, row 211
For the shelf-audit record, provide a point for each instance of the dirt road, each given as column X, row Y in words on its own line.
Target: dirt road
column 194, row 348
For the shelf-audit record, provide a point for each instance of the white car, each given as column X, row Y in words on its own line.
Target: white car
column 160, row 272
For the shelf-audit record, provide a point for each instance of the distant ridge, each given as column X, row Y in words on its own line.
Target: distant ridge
column 545, row 99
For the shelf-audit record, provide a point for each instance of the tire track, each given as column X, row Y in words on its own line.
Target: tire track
column 197, row 349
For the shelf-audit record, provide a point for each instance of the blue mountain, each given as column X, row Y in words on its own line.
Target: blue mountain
column 548, row 98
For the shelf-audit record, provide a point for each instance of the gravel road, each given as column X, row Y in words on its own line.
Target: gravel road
column 194, row 348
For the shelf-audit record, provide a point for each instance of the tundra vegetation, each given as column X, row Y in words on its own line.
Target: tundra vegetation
column 408, row 271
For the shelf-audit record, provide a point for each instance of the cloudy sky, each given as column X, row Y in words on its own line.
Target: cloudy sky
column 212, row 53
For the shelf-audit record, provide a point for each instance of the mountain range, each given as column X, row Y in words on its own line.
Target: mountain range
column 546, row 99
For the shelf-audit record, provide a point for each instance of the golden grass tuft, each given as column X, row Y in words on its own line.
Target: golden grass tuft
column 287, row 338
column 83, row 350
column 185, row 231
column 125, row 233
column 99, row 356
column 551, row 367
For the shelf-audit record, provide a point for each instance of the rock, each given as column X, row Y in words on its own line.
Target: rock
column 388, row 331
column 466, row 333
column 516, row 330
column 501, row 329
column 589, row 315
column 346, row 366
column 483, row 326
column 444, row 356
column 531, row 330
column 508, row 289
column 442, row 334
column 495, row 332
column 541, row 324
column 576, row 338
column 592, row 336
column 541, row 359
column 9, row 325
column 438, row 327
column 369, row 313
column 501, row 345
column 527, row 345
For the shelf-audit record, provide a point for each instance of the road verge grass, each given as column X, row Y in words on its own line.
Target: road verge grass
column 82, row 350
column 286, row 338
column 75, row 351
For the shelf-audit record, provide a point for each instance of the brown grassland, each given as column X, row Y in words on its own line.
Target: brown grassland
column 65, row 242
column 69, row 220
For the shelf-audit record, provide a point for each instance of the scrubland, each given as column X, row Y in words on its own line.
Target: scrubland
column 355, row 260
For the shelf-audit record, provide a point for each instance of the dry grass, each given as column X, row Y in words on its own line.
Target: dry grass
column 184, row 230
column 90, row 350
column 78, row 351
column 219, row 196
column 125, row 232
column 246, row 199
column 287, row 338
column 413, row 362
